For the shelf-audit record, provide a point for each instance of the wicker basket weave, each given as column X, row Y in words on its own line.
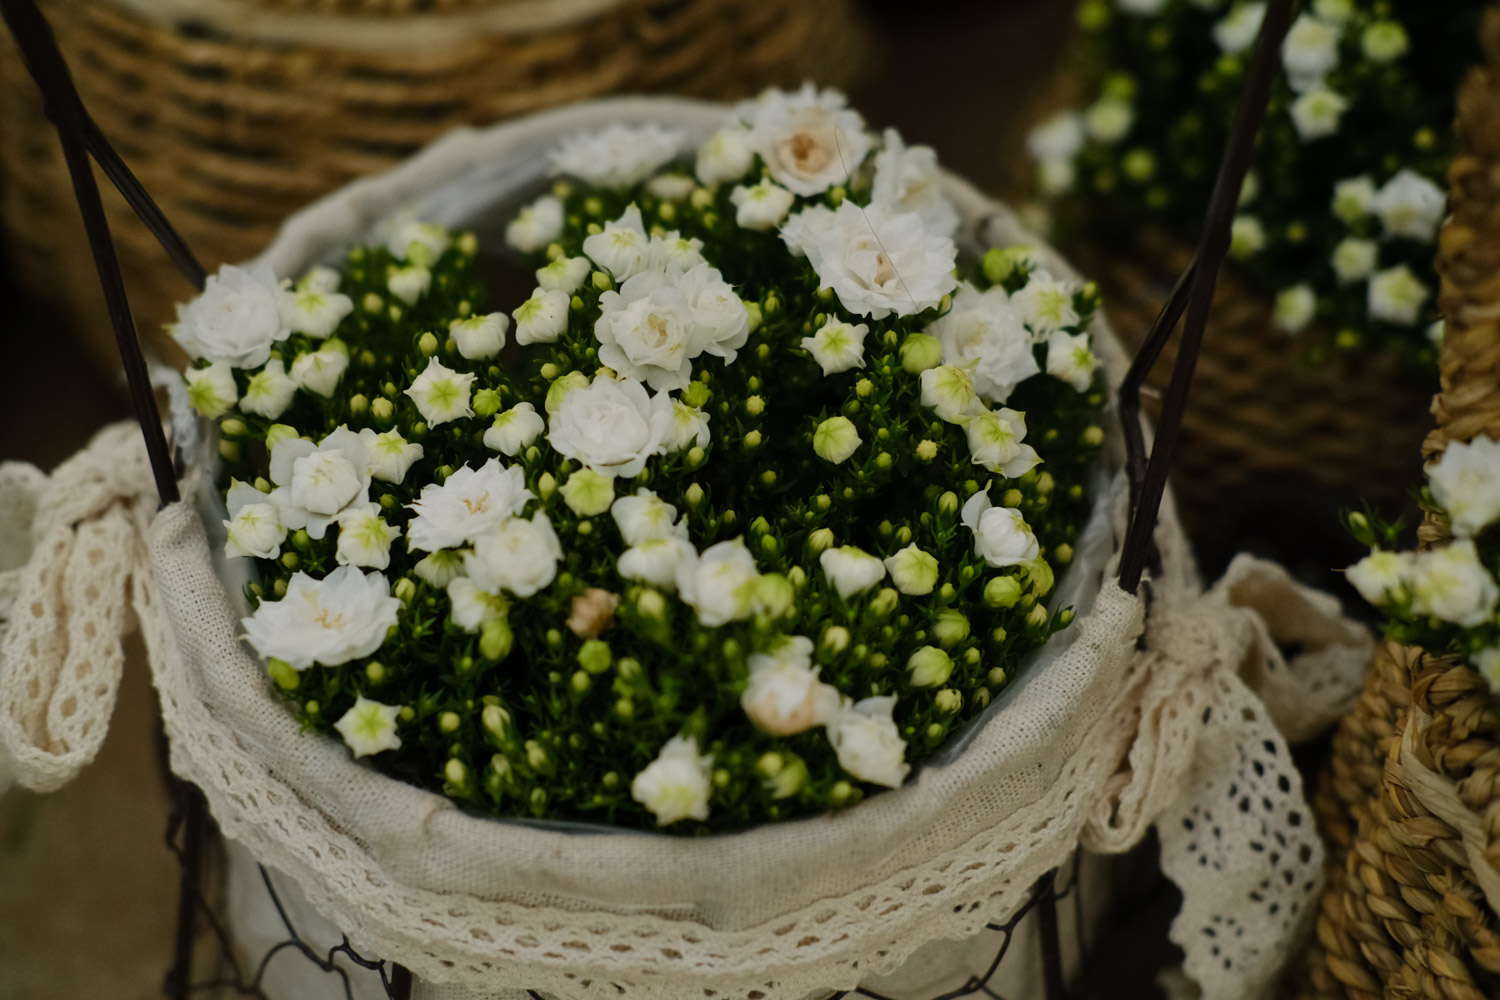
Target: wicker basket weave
column 235, row 113
column 1410, row 909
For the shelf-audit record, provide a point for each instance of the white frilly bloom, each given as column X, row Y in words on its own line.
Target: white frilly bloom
column 762, row 206
column 645, row 516
column 542, row 318
column 391, row 456
column 851, row 569
column 671, row 187
column 907, row 180
column 565, row 274
column 809, row 139
column 1465, row 482
column 613, row 427
column 784, row 696
column 1453, row 584
column 1354, row 259
column 410, row 283
column 314, row 313
column 315, row 483
column 622, row 247
column 725, row 157
column 269, row 391
column 676, row 785
column 1109, row 119
column 656, row 561
column 1396, row 295
column 1295, row 308
column 1317, row 113
column 1354, row 198
column 466, row 505
column 837, row 346
column 471, row 608
column 995, row 442
column 330, row 621
column 876, row 261
column 617, row 156
column 1382, row 575
column 212, row 391
column 868, row 744
column 319, row 371
column 672, row 250
column 480, row 338
column 369, row 727
column 1410, row 205
column 441, row 394
column 659, row 321
column 986, row 328
column 1236, row 33
column 1309, row 52
column 719, row 583
column 402, row 229
column 254, row 526
column 518, row 555
column 1001, row 535
column 1071, row 359
column 689, row 429
column 536, row 225
column 1058, row 139
column 235, row 319
column 365, row 538
column 1045, row 304
column 514, row 429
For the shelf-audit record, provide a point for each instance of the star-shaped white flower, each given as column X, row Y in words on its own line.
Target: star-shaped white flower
column 837, row 346
column 369, row 727
column 441, row 394
column 269, row 391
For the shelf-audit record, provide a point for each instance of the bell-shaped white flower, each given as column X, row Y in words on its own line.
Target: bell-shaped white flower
column 1001, row 535
column 1382, row 575
column 441, row 394
column 613, row 427
column 673, row 250
column 868, row 744
column 536, row 225
column 391, row 456
column 339, row 618
column 689, row 429
column 1354, row 198
column 1309, row 52
column 1317, row 113
column 1396, row 295
column 364, row 538
column 519, row 556
column 995, row 442
column 467, row 504
column 269, row 391
column 542, row 318
column 761, row 206
column 438, row 569
column 1236, row 33
column 645, row 516
column 1045, row 304
column 319, row 371
column 913, row 571
column 809, row 139
column 403, row 230
column 480, row 338
column 565, row 274
column 725, row 157
column 514, row 429
column 471, row 608
column 1453, row 584
column 837, row 346
column 984, row 333
column 676, row 785
column 1247, row 237
column 1059, row 138
column 1410, row 205
column 657, row 561
column 254, row 527
column 314, row 313
column 671, row 187
column 369, row 727
column 315, row 483
column 1295, row 308
column 617, row 156
column 784, row 696
column 320, row 278
column 907, row 180
column 851, row 570
column 212, row 391
column 1354, row 259
column 409, row 284
column 1465, row 482
column 622, row 248
column 949, row 390
column 235, row 319
column 720, row 583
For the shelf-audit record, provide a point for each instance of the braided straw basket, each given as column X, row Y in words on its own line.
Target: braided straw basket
column 239, row 112
column 1411, row 805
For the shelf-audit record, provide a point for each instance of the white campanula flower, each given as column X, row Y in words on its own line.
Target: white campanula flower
column 1354, row 259
column 689, row 428
column 316, row 314
column 320, row 279
column 235, row 319
column 587, row 493
column 1453, row 584
column 1071, row 359
column 651, row 331
column 1382, row 575
column 995, row 442
column 1001, row 535
column 1295, row 308
column 466, row 505
column 518, row 555
column 836, row 440
column 514, row 429
column 762, row 206
column 949, row 390
column 719, row 583
column 868, row 744
column 269, row 391
column 784, row 696
column 1236, row 33
column 1247, row 236
column 1317, row 113
column 369, row 727
column 1109, row 119
column 391, row 456
column 718, row 312
column 622, row 248
column 480, row 338
column 315, row 483
column 330, row 621
column 254, row 526
column 725, row 157
column 837, row 346
column 1436, row 331
column 657, row 561
column 617, row 156
column 1046, row 304
column 985, row 333
column 907, row 179
column 1141, row 8
column 810, row 140
column 1487, row 663
column 212, row 391
column 364, row 538
column 1384, row 41
column 319, row 371
column 471, row 608
column 438, row 569
column 542, row 318
column 565, row 274
column 1056, row 177
column 401, row 231
column 1309, row 52
column 1465, row 482
column 876, row 261
column 409, row 284
column 612, row 427
column 913, row 571
column 1058, row 139
column 851, row 570
column 1410, row 205
column 676, row 785
column 536, row 225
column 645, row 516
column 671, row 187
column 1354, row 198
column 673, row 250
column 561, row 387
column 1397, row 295
column 441, row 394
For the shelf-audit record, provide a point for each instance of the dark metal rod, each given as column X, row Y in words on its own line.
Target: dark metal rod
column 1213, row 246
column 194, row 832
column 400, row 982
column 1140, row 367
column 1054, row 987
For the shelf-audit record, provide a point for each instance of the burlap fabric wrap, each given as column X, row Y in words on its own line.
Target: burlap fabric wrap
column 1173, row 711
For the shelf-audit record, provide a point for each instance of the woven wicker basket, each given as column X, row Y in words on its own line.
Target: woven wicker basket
column 236, row 113
column 1411, row 803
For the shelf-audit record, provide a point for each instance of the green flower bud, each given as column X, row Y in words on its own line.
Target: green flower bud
column 427, row 344
column 863, row 388
column 375, row 671
column 948, row 700
column 836, row 639
column 773, row 594
column 755, row 406
column 752, row 312
column 693, row 495
column 448, row 722
column 950, row 628
column 455, row 774
column 229, row 451
column 486, row 403
column 919, row 352
column 1002, row 592
column 927, row 450
column 536, row 756
column 948, row 502
column 696, row 457
column 595, row 656
column 797, row 577
column 1039, row 576
column 1063, row 553
column 277, row 433
column 1011, row 498
column 561, row 386
column 835, row 440
column 382, row 409
column 1093, row 436
column 496, row 640
column 930, row 667
column 820, row 540
column 913, row 571
column 496, row 721
column 1037, row 616
column 404, row 590
column 587, row 493
column 650, row 604
column 283, row 673
column 789, row 777
column 580, row 682
column 884, row 602
column 696, row 395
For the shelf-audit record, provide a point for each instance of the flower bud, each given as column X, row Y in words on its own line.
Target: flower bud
column 696, row 395
column 927, row 450
column 404, row 590
column 427, row 344
column 496, row 639
column 835, row 440
column 486, row 403
column 693, row 495
column 456, row 774
column 587, row 493
column 496, row 721
column 789, row 777
column 650, row 604
column 382, row 409
column 277, row 433
column 930, row 667
column 1002, row 592
column 948, row 700
column 997, row 265
column 755, row 406
column 950, row 628
column 820, row 540
column 448, row 722
column 884, row 602
column 283, row 673
column 375, row 671
column 1037, row 616
column 948, row 502
column 536, row 756
column 595, row 656
column 546, row 485
column 797, row 577
column 913, row 571
column 836, row 639
column 773, row 594
column 919, row 352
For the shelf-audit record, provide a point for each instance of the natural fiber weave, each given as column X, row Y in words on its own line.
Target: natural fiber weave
column 1413, row 911
column 234, row 121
